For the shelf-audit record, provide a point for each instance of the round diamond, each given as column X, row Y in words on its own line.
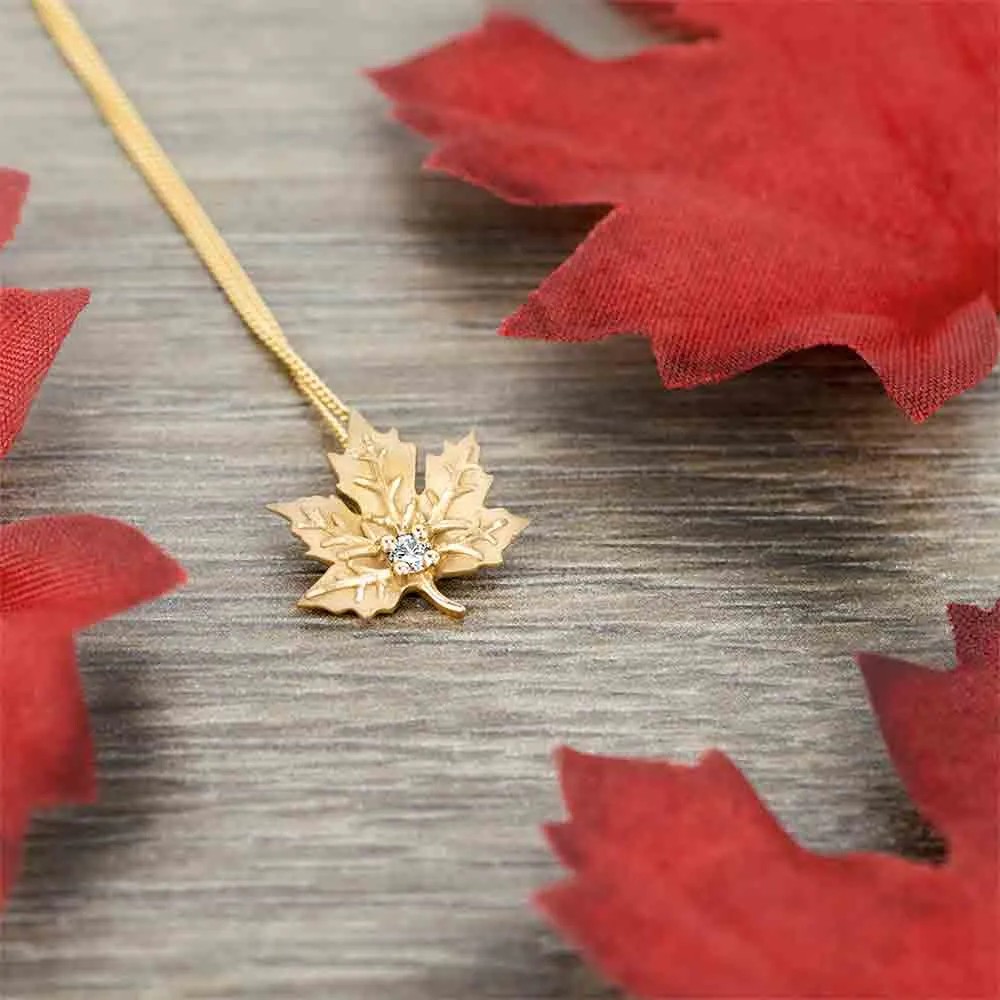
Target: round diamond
column 409, row 555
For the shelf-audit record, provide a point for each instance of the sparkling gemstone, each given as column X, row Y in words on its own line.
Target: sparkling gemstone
column 409, row 554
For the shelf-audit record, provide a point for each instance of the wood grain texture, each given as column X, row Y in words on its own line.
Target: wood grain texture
column 297, row 806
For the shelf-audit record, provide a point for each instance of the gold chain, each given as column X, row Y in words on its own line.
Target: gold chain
column 178, row 199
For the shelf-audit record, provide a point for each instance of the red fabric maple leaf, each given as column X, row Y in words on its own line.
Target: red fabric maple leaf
column 804, row 173
column 684, row 885
column 32, row 324
column 57, row 575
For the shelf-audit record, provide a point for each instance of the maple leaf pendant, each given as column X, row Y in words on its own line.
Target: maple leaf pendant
column 382, row 539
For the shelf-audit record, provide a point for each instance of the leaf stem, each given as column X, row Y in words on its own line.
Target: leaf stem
column 429, row 589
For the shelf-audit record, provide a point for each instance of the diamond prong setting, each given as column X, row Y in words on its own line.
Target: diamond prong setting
column 410, row 552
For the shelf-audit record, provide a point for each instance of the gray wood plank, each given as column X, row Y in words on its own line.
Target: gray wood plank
column 297, row 806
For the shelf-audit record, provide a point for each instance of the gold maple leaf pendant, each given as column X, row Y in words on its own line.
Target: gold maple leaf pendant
column 382, row 539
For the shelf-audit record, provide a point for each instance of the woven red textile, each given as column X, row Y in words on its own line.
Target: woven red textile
column 32, row 324
column 684, row 885
column 809, row 172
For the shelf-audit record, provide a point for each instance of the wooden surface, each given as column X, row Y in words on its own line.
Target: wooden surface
column 297, row 806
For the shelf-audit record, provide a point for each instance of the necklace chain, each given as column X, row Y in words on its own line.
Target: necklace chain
column 178, row 199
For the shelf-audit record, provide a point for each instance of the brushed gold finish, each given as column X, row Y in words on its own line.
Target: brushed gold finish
column 383, row 540
column 399, row 542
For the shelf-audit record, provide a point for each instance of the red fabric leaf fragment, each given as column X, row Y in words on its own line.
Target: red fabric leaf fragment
column 32, row 328
column 813, row 173
column 32, row 324
column 46, row 752
column 13, row 189
column 684, row 885
column 57, row 575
